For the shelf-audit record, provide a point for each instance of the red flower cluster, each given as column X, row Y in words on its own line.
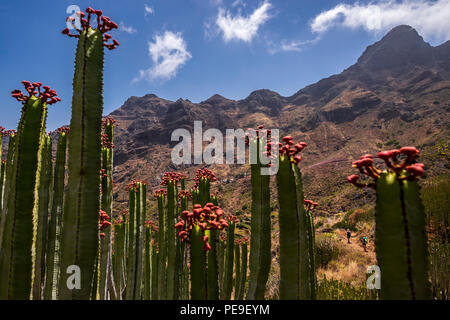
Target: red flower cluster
column 310, row 205
column 204, row 174
column 160, row 192
column 48, row 95
column 171, row 176
column 9, row 133
column 106, row 143
column 104, row 24
column 402, row 162
column 252, row 134
column 61, row 130
column 184, row 193
column 1, row 131
column 210, row 217
column 242, row 240
column 104, row 223
column 134, row 184
column 108, row 120
column 291, row 149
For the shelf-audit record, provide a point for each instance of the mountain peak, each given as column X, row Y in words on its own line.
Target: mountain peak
column 400, row 47
column 262, row 94
column 215, row 99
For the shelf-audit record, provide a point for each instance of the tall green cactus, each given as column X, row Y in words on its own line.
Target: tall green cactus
column 155, row 276
column 198, row 265
column 148, row 262
column 162, row 243
column 229, row 262
column 45, row 187
column 2, row 182
column 137, row 194
column 54, row 224
column 9, row 182
column 18, row 248
column 260, row 243
column 296, row 260
column 105, row 244
column 237, row 268
column 401, row 244
column 2, row 169
column 79, row 243
column 119, row 257
column 172, row 269
column 244, row 264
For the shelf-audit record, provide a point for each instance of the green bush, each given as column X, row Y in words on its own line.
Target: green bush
column 327, row 249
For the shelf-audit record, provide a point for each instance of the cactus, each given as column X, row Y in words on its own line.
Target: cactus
column 17, row 265
column 296, row 260
column 195, row 228
column 43, row 200
column 162, row 253
column 54, row 224
column 2, row 169
column 2, row 181
column 171, row 179
column 221, row 263
column 311, row 239
column 8, row 181
column 260, row 242
column 243, row 280
column 105, row 244
column 229, row 259
column 237, row 268
column 148, row 261
column 155, row 276
column 119, row 256
column 137, row 211
column 79, row 244
column 401, row 244
column 198, row 264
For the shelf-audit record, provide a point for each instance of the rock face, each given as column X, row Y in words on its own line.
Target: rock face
column 399, row 88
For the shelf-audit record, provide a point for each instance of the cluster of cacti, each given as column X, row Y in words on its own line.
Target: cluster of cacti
column 60, row 239
column 400, row 240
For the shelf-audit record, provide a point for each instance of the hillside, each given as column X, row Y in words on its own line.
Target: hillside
column 397, row 93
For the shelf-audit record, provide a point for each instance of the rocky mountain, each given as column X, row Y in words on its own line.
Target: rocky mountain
column 397, row 93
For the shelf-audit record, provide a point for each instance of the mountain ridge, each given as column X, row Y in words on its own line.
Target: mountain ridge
column 393, row 94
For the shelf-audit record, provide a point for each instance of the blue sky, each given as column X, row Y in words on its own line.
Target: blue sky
column 193, row 49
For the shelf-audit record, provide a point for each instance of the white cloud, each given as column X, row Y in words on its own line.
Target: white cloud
column 430, row 18
column 293, row 45
column 148, row 10
column 237, row 3
column 168, row 52
column 242, row 28
column 127, row 29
